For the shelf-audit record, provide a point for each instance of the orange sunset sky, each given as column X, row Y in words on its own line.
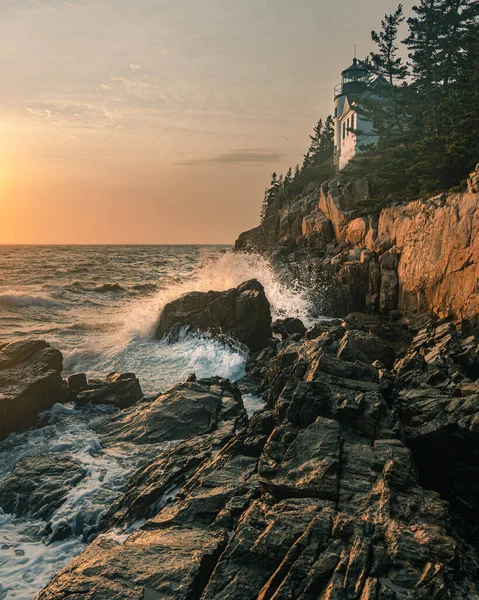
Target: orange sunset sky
column 160, row 121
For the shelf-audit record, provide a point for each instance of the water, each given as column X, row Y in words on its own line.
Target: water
column 100, row 305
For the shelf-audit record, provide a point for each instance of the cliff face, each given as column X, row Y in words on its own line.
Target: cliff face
column 420, row 257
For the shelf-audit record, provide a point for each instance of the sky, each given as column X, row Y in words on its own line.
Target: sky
column 161, row 121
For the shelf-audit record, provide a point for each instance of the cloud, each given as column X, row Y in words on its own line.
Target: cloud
column 38, row 4
column 247, row 156
column 131, row 86
column 135, row 67
column 74, row 114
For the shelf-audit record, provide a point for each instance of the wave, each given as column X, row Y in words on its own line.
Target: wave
column 71, row 431
column 72, row 270
column 144, row 287
column 89, row 327
column 78, row 287
column 159, row 364
column 109, row 287
column 228, row 271
column 23, row 299
column 128, row 344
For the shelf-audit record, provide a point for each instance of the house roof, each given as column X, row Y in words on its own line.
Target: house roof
column 380, row 80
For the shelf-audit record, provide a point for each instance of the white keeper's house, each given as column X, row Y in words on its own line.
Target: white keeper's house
column 356, row 84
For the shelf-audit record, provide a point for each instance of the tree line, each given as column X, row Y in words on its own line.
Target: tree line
column 426, row 117
column 428, row 138
column 316, row 165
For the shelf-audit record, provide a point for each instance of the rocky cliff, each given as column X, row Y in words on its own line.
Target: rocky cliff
column 358, row 479
column 416, row 258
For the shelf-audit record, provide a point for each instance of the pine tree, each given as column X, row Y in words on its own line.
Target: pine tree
column 386, row 61
column 307, row 161
column 386, row 106
column 315, row 145
column 439, row 36
column 289, row 176
column 269, row 195
column 322, row 143
column 264, row 205
column 443, row 48
column 326, row 146
column 423, row 40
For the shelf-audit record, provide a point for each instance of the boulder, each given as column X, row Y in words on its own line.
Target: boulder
column 118, row 389
column 366, row 347
column 250, row 241
column 30, row 382
column 354, row 280
column 187, row 409
column 76, row 382
column 242, row 313
column 289, row 326
column 39, row 484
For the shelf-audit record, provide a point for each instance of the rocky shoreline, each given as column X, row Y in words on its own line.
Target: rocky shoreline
column 358, row 479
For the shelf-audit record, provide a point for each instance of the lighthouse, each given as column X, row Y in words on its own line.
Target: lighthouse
column 352, row 130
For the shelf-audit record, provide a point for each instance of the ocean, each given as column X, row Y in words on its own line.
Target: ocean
column 99, row 305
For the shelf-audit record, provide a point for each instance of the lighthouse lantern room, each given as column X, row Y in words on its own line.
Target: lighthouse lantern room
column 352, row 130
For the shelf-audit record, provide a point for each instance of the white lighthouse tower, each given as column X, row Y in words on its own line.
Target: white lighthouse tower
column 355, row 84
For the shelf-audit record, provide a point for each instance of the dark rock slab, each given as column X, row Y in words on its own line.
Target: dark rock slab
column 30, row 382
column 39, row 484
column 188, row 409
column 164, row 564
column 118, row 389
column 302, row 463
column 242, row 313
column 263, row 537
column 366, row 347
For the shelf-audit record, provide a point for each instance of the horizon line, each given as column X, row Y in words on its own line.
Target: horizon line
column 114, row 244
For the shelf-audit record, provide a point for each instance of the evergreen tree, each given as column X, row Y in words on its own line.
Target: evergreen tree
column 307, row 161
column 288, row 177
column 315, row 145
column 264, row 205
column 385, row 60
column 326, row 146
column 269, row 195
column 443, row 45
column 297, row 172
column 322, row 143
column 386, row 105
